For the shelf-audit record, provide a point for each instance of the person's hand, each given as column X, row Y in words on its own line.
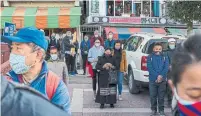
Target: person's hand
column 95, row 60
column 125, row 73
column 159, row 78
column 105, row 65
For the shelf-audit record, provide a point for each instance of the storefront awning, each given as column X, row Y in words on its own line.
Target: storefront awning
column 177, row 31
column 125, row 33
column 52, row 17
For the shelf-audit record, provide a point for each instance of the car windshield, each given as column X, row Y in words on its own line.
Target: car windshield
column 150, row 44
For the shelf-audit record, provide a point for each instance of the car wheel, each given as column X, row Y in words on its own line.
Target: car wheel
column 133, row 89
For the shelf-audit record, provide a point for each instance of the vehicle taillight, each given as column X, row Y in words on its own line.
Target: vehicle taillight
column 144, row 63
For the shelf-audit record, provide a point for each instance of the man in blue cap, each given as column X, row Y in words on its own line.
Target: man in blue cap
column 28, row 51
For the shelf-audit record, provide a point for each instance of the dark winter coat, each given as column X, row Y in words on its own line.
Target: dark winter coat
column 157, row 65
column 84, row 46
column 103, row 83
column 66, row 44
column 19, row 100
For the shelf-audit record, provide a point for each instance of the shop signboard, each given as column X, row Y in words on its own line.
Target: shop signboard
column 153, row 20
column 133, row 20
column 9, row 29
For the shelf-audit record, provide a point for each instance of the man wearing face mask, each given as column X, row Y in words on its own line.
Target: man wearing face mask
column 94, row 52
column 54, row 41
column 69, row 48
column 29, row 67
column 109, row 43
column 157, row 64
column 84, row 47
column 96, row 36
column 57, row 66
column 170, row 53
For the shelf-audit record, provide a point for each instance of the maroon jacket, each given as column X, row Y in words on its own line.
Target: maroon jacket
column 92, row 40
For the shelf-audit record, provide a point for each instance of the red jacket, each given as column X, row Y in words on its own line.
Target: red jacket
column 92, row 40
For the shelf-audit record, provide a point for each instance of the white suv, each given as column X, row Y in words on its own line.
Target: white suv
column 137, row 48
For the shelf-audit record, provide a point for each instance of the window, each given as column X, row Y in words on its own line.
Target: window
column 128, row 7
column 110, row 8
column 118, row 8
column 138, row 9
column 133, row 43
column 146, row 9
column 94, row 6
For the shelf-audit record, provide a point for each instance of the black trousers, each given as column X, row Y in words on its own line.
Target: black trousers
column 84, row 60
column 70, row 62
column 169, row 91
column 157, row 93
column 95, row 79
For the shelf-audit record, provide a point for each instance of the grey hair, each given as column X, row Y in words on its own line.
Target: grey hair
column 38, row 48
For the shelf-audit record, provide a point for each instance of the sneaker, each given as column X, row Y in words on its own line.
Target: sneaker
column 153, row 113
column 120, row 98
column 161, row 113
column 112, row 105
column 101, row 106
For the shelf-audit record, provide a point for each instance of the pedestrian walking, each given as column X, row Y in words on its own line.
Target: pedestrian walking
column 107, row 92
column 157, row 64
column 29, row 67
column 121, row 65
column 57, row 66
column 84, row 47
column 170, row 53
column 21, row 100
column 96, row 36
column 69, row 48
column 186, row 77
column 94, row 52
column 109, row 43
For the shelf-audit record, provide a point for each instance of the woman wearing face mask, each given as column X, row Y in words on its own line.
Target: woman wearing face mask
column 94, row 52
column 186, row 77
column 58, row 67
column 84, row 47
column 121, row 65
column 96, row 36
column 106, row 63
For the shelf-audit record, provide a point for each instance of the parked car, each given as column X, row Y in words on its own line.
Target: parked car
column 137, row 48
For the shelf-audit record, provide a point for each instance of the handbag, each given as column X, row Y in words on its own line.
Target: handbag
column 112, row 77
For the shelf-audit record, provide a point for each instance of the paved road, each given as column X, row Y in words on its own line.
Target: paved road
column 82, row 103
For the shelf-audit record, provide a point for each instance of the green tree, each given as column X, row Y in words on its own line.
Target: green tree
column 185, row 12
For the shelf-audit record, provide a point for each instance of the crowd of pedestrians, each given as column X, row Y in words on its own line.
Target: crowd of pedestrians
column 180, row 66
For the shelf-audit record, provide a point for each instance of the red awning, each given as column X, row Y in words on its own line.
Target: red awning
column 124, row 33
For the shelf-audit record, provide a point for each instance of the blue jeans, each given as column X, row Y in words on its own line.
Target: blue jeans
column 120, row 81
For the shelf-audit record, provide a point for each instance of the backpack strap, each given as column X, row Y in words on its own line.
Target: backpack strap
column 52, row 83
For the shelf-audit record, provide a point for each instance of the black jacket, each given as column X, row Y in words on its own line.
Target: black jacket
column 19, row 100
column 66, row 45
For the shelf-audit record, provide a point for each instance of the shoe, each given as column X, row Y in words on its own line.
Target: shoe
column 161, row 113
column 73, row 73
column 112, row 105
column 153, row 113
column 120, row 98
column 101, row 106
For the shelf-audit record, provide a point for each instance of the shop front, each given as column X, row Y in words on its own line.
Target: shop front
column 50, row 19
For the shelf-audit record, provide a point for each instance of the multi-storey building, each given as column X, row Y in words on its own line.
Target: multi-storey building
column 124, row 17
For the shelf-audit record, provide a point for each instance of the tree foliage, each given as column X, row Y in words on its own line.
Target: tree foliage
column 184, row 11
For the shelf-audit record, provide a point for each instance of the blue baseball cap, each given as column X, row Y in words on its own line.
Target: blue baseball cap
column 30, row 35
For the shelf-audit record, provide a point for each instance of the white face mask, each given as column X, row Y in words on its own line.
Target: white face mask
column 54, row 56
column 96, row 35
column 18, row 63
column 172, row 47
column 180, row 100
column 97, row 44
column 110, row 36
